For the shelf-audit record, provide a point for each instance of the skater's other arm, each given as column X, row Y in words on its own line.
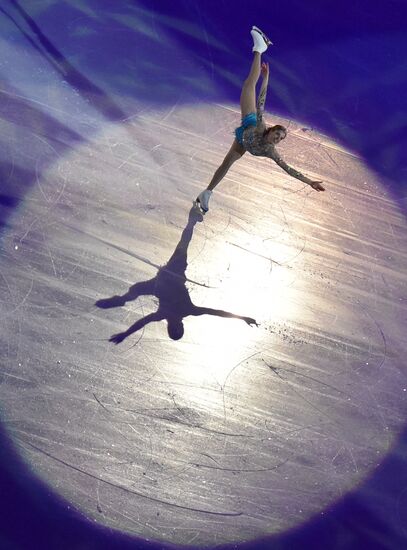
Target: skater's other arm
column 315, row 184
column 261, row 100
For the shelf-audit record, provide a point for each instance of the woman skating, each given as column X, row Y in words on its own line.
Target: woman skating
column 253, row 135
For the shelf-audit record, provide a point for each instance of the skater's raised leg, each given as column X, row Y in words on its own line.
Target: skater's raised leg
column 248, row 94
column 247, row 106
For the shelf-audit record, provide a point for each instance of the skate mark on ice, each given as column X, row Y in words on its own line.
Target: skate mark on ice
column 126, row 489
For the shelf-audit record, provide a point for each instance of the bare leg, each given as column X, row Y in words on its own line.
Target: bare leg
column 247, row 105
column 234, row 154
column 248, row 95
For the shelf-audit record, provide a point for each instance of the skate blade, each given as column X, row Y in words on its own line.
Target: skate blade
column 265, row 37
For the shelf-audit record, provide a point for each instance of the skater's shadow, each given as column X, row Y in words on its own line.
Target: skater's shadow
column 174, row 302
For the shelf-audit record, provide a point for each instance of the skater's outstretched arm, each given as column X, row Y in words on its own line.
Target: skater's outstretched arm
column 315, row 184
column 261, row 100
column 117, row 338
column 221, row 313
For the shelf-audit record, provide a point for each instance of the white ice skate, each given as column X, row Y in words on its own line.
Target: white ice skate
column 202, row 200
column 260, row 41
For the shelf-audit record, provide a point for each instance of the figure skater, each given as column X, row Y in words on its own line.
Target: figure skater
column 253, row 135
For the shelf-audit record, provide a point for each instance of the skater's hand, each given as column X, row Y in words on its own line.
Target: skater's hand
column 117, row 338
column 265, row 70
column 317, row 185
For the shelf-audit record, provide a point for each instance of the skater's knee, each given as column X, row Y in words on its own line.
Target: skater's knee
column 248, row 84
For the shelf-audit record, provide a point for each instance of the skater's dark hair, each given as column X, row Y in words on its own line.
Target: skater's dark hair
column 275, row 127
column 175, row 328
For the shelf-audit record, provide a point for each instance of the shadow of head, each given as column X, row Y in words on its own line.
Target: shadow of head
column 175, row 328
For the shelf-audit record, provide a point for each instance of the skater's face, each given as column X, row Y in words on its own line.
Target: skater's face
column 275, row 136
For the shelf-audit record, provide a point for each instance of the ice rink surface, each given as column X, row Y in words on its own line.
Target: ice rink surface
column 169, row 378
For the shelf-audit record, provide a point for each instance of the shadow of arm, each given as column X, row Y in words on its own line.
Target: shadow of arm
column 221, row 313
column 143, row 288
column 117, row 338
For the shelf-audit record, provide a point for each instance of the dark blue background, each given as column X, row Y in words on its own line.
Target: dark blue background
column 338, row 66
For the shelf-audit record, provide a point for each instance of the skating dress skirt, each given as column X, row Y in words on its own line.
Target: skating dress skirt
column 248, row 120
